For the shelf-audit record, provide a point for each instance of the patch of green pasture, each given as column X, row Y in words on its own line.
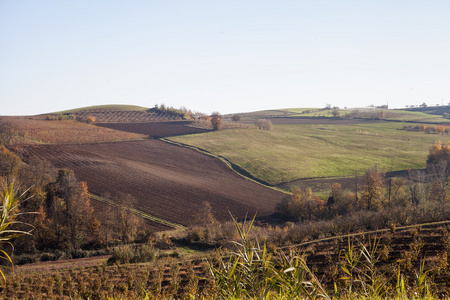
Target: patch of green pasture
column 265, row 114
column 417, row 116
column 292, row 152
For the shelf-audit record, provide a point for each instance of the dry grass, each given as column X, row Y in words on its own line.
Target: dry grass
column 33, row 131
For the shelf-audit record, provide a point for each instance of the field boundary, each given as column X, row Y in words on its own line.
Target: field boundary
column 238, row 170
column 371, row 232
column 140, row 213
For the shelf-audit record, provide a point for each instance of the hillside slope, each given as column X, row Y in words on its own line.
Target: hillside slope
column 167, row 181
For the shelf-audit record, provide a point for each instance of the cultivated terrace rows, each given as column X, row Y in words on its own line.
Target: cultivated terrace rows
column 392, row 250
column 111, row 116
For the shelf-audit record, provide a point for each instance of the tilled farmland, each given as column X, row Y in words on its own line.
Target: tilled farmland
column 403, row 250
column 167, row 181
column 156, row 129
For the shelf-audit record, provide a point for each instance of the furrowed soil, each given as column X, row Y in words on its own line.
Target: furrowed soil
column 156, row 129
column 167, row 181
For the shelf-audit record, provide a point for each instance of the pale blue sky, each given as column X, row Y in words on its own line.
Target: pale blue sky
column 227, row 56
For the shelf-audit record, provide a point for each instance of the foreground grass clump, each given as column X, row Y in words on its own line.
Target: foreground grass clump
column 250, row 271
column 8, row 213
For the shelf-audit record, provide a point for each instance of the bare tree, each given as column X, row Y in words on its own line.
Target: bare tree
column 373, row 186
column 416, row 186
column 438, row 173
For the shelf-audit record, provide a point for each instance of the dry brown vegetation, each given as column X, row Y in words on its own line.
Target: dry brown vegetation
column 62, row 132
column 439, row 129
column 380, row 257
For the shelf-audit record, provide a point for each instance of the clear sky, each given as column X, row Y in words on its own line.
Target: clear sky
column 227, row 56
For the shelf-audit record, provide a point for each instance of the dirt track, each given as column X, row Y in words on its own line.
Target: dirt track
column 168, row 181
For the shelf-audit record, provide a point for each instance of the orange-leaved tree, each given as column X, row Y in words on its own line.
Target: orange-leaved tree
column 439, row 151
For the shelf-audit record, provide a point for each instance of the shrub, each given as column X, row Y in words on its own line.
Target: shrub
column 216, row 121
column 25, row 259
column 264, row 124
column 236, row 118
column 91, row 119
column 133, row 254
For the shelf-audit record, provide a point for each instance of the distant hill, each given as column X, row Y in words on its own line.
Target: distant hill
column 432, row 115
column 112, row 107
column 432, row 110
column 120, row 114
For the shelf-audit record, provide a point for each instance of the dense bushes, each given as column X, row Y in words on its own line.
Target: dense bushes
column 439, row 129
column 264, row 124
column 133, row 254
column 216, row 121
column 290, row 233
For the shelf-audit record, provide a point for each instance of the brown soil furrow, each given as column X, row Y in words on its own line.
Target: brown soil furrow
column 167, row 181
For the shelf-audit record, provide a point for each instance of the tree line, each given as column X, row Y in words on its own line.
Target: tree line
column 62, row 214
column 374, row 191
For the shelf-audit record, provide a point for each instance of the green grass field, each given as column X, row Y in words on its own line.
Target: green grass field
column 290, row 152
column 391, row 114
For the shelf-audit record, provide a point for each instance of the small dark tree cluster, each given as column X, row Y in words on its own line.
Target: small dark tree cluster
column 60, row 117
column 183, row 112
column 336, row 112
column 236, row 118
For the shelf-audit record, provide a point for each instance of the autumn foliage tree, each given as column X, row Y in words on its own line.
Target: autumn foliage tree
column 216, row 121
column 9, row 163
column 127, row 223
column 439, row 151
column 7, row 133
column 440, row 129
column 373, row 187
column 91, row 119
column 71, row 218
column 300, row 206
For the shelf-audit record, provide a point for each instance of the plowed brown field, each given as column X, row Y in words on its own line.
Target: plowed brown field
column 156, row 129
column 167, row 181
